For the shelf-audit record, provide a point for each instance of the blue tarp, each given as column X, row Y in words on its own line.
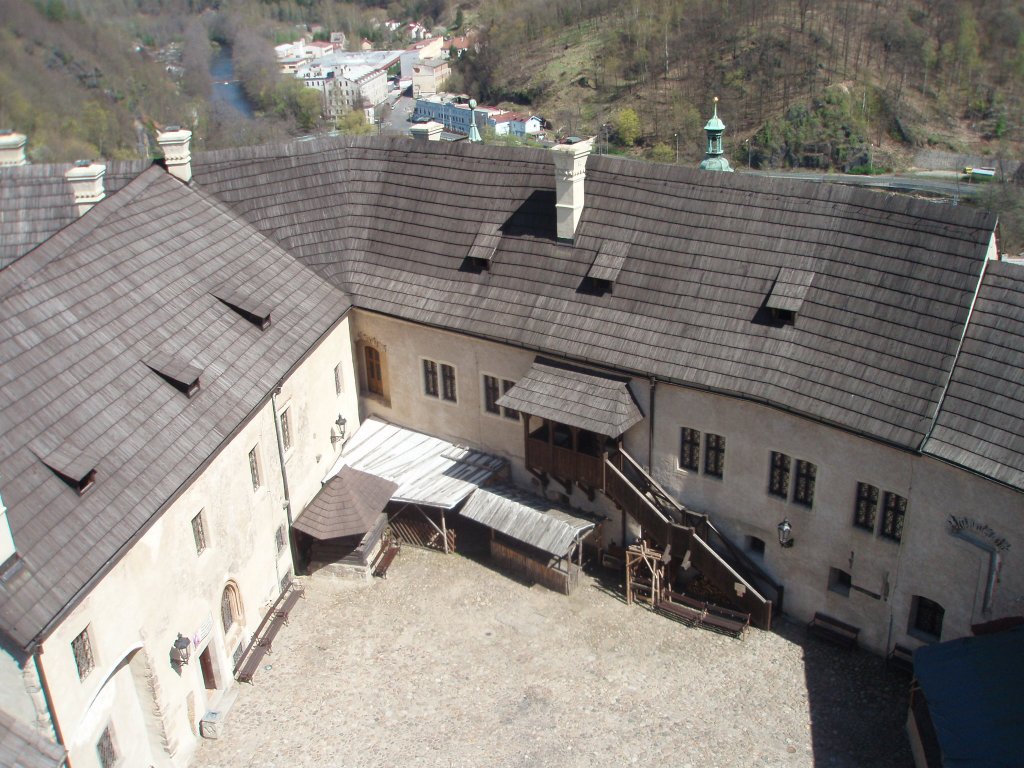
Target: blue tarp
column 974, row 687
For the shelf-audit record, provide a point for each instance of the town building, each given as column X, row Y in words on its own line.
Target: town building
column 807, row 394
column 349, row 80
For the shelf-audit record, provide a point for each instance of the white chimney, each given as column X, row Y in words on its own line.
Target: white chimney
column 86, row 180
column 12, row 148
column 174, row 141
column 7, row 548
column 427, row 131
column 570, row 172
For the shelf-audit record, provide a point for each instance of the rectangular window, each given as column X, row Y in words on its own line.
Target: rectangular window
column 199, row 532
column 508, row 413
column 286, row 428
column 374, row 371
column 448, row 383
column 491, row 395
column 867, row 507
column 430, row 378
column 926, row 618
column 105, row 749
column 803, row 489
column 81, row 647
column 714, row 455
column 337, row 379
column 689, row 449
column 254, row 468
column 894, row 508
column 839, row 582
column 778, row 480
column 280, row 537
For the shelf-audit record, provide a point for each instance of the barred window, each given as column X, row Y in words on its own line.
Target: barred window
column 508, row 413
column 280, row 538
column 430, row 378
column 926, row 618
column 199, row 532
column 448, row 383
column 689, row 449
column 286, row 428
column 894, row 508
column 105, row 749
column 867, row 506
column 254, row 468
column 81, row 647
column 714, row 455
column 803, row 489
column 228, row 607
column 778, row 480
column 491, row 395
column 337, row 379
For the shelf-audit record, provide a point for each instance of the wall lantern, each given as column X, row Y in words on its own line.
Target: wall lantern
column 785, row 534
column 181, row 651
column 340, row 423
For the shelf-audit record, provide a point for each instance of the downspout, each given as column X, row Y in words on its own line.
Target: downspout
column 650, row 430
column 49, row 704
column 284, row 477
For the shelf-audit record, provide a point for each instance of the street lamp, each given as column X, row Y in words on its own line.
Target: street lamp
column 677, row 147
column 747, row 142
column 785, row 534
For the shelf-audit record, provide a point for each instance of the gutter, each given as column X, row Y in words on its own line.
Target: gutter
column 284, row 473
column 41, row 674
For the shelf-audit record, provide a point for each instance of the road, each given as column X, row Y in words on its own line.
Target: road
column 945, row 187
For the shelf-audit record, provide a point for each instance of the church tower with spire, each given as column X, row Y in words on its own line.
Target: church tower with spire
column 715, row 159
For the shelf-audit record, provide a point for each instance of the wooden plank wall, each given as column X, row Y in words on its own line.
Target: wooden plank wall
column 527, row 567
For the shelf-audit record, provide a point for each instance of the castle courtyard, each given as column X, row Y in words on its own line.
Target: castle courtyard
column 448, row 662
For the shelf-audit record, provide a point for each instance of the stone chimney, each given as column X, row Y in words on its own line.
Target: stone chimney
column 86, row 180
column 570, row 172
column 174, row 141
column 12, row 148
column 427, row 131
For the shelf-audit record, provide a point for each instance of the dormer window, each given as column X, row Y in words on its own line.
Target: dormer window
column 483, row 248
column 605, row 270
column 176, row 372
column 255, row 311
column 788, row 293
column 71, row 464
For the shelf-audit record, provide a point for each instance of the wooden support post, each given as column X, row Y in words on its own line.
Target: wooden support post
column 444, row 532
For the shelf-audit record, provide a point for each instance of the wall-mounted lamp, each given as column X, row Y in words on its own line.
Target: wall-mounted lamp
column 785, row 534
column 181, row 651
column 338, row 434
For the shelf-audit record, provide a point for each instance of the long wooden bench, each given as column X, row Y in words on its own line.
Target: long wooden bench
column 699, row 613
column 834, row 631
column 726, row 620
column 262, row 641
column 682, row 608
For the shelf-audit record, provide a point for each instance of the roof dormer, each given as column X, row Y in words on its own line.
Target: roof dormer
column 176, row 372
column 75, row 466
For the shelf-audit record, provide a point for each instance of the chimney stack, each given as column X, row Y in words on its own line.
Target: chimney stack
column 570, row 172
column 427, row 131
column 174, row 141
column 12, row 148
column 86, row 180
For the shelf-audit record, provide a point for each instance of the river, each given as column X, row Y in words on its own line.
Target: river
column 225, row 87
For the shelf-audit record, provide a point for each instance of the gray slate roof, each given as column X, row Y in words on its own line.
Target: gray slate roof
column 79, row 315
column 347, row 505
column 36, row 201
column 21, row 747
column 576, row 396
column 392, row 221
column 527, row 518
column 981, row 422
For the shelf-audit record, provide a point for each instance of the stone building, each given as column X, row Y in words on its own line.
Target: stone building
column 765, row 351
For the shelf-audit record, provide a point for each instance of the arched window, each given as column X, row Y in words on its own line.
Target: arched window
column 229, row 607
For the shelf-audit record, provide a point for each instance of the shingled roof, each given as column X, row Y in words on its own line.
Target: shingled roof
column 36, row 201
column 886, row 281
column 79, row 317
column 346, row 505
column 981, row 423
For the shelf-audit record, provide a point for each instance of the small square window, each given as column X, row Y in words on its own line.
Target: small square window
column 199, row 532
column 105, row 749
column 81, row 647
column 839, row 582
column 755, row 545
column 926, row 619
column 254, row 468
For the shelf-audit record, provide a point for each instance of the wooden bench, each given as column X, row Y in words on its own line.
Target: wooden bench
column 682, row 608
column 726, row 620
column 834, row 631
column 262, row 641
column 385, row 561
column 902, row 658
column 252, row 662
column 295, row 592
column 707, row 615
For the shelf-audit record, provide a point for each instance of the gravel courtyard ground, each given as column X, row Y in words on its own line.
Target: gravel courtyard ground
column 450, row 663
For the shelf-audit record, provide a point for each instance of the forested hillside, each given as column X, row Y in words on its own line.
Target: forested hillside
column 856, row 85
